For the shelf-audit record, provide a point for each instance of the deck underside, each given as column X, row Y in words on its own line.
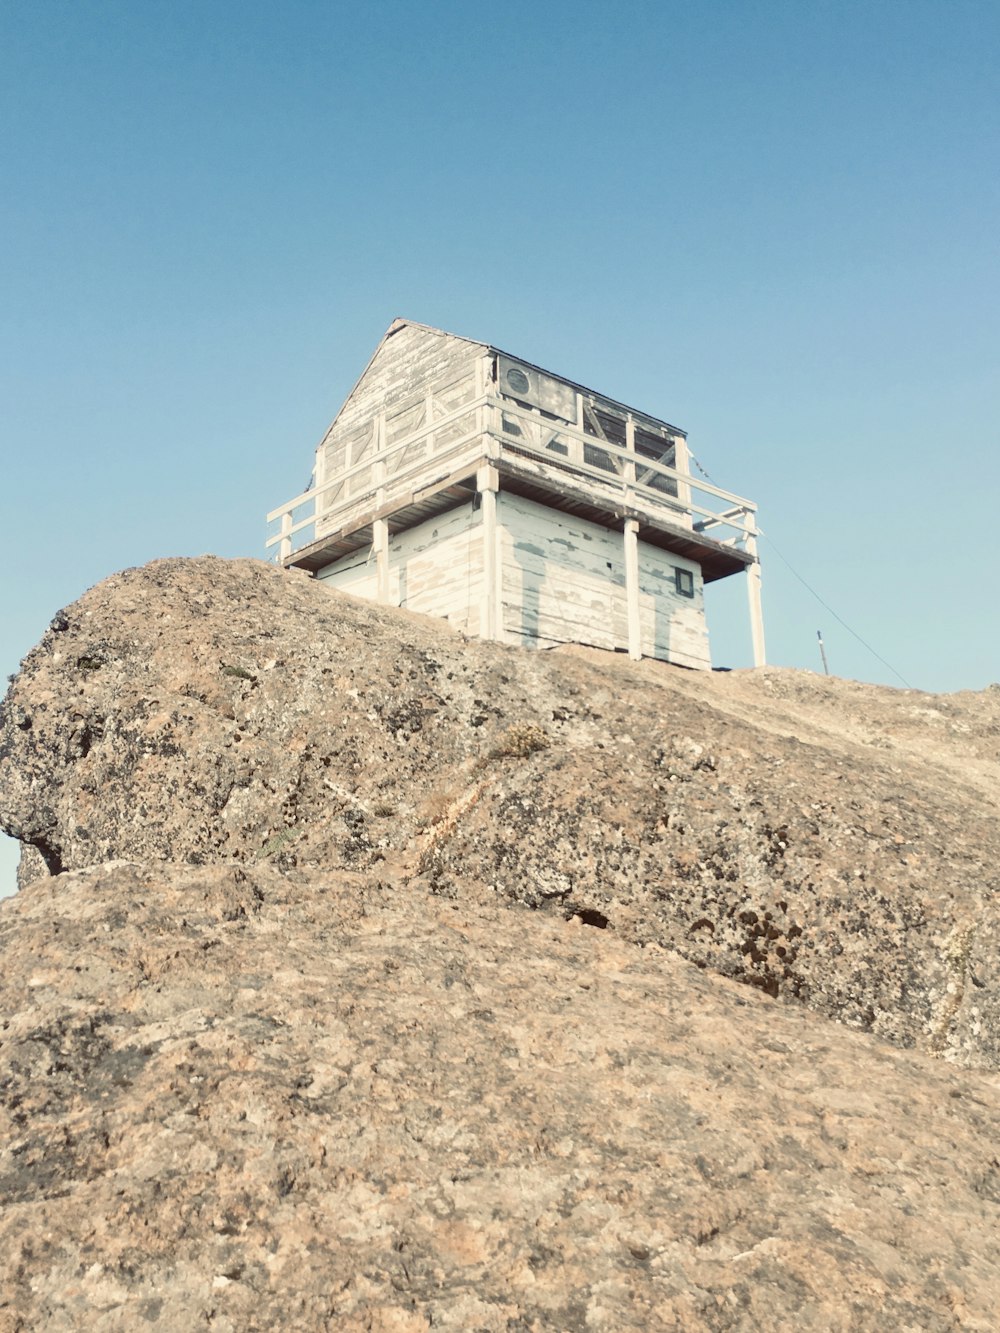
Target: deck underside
column 521, row 478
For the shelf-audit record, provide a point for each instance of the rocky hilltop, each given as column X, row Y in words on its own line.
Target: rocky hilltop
column 364, row 977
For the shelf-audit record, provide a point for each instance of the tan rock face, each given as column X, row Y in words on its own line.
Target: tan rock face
column 243, row 1100
column 824, row 841
column 350, row 989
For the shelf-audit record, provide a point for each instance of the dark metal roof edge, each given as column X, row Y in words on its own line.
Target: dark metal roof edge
column 593, row 393
column 397, row 324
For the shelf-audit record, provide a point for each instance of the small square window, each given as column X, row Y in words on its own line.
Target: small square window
column 684, row 582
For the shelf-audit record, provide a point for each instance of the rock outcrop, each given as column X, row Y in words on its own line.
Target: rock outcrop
column 241, row 1100
column 365, row 978
column 828, row 842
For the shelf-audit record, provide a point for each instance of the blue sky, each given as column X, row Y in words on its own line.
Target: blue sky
column 771, row 223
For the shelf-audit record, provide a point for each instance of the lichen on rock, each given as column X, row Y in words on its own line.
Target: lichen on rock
column 213, row 712
column 366, row 978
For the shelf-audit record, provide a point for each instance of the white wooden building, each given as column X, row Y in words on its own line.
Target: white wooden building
column 462, row 482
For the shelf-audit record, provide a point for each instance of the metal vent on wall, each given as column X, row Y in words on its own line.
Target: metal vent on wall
column 528, row 385
column 517, row 381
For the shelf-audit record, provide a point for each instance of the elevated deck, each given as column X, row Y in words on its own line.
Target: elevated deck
column 433, row 469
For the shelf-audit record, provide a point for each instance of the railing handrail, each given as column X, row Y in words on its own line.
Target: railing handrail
column 624, row 483
column 382, row 456
column 624, row 486
column 389, row 484
column 595, row 441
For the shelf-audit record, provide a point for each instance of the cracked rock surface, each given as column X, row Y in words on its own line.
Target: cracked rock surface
column 367, row 978
column 245, row 1100
column 831, row 843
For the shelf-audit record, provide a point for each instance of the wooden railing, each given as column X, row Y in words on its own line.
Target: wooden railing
column 620, row 474
column 497, row 428
column 384, row 475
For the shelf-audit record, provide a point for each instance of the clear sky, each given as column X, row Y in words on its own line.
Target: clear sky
column 774, row 224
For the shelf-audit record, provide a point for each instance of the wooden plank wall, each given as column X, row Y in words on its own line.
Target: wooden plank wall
column 435, row 568
column 563, row 581
column 411, row 360
column 404, row 369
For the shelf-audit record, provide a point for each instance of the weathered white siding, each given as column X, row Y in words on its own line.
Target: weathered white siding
column 416, row 378
column 435, row 568
column 563, row 581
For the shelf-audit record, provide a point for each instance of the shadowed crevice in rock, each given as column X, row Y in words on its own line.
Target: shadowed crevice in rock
column 49, row 854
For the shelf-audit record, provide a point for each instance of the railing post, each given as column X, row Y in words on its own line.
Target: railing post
column 491, row 443
column 285, row 549
column 753, row 593
column 631, row 538
column 682, row 465
column 628, row 471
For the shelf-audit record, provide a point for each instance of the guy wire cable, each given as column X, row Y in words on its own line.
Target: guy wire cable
column 825, row 605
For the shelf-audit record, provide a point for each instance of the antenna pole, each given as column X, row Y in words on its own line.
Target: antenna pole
column 822, row 652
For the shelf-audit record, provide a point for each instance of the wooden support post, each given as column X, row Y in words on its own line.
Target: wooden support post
column 753, row 593
column 285, row 549
column 682, row 465
column 487, row 484
column 628, row 470
column 632, row 588
column 380, row 545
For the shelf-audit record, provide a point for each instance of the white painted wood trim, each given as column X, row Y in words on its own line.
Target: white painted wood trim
column 628, row 472
column 617, row 452
column 400, row 445
column 682, row 466
column 631, row 539
column 380, row 545
column 754, row 598
column 332, row 518
column 487, row 484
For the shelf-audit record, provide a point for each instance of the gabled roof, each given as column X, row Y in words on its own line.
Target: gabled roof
column 398, row 324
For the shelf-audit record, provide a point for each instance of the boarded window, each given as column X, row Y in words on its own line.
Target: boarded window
column 684, row 582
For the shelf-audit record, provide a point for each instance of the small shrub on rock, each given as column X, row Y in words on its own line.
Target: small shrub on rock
column 520, row 740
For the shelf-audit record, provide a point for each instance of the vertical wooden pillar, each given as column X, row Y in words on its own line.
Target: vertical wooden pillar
column 380, row 527
column 628, row 471
column 631, row 538
column 682, row 465
column 380, row 545
column 285, row 549
column 753, row 594
column 487, row 484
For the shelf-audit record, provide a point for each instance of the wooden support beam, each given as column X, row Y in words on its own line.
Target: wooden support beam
column 725, row 517
column 628, row 470
column 631, row 538
column 682, row 464
column 487, row 484
column 380, row 545
column 753, row 595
